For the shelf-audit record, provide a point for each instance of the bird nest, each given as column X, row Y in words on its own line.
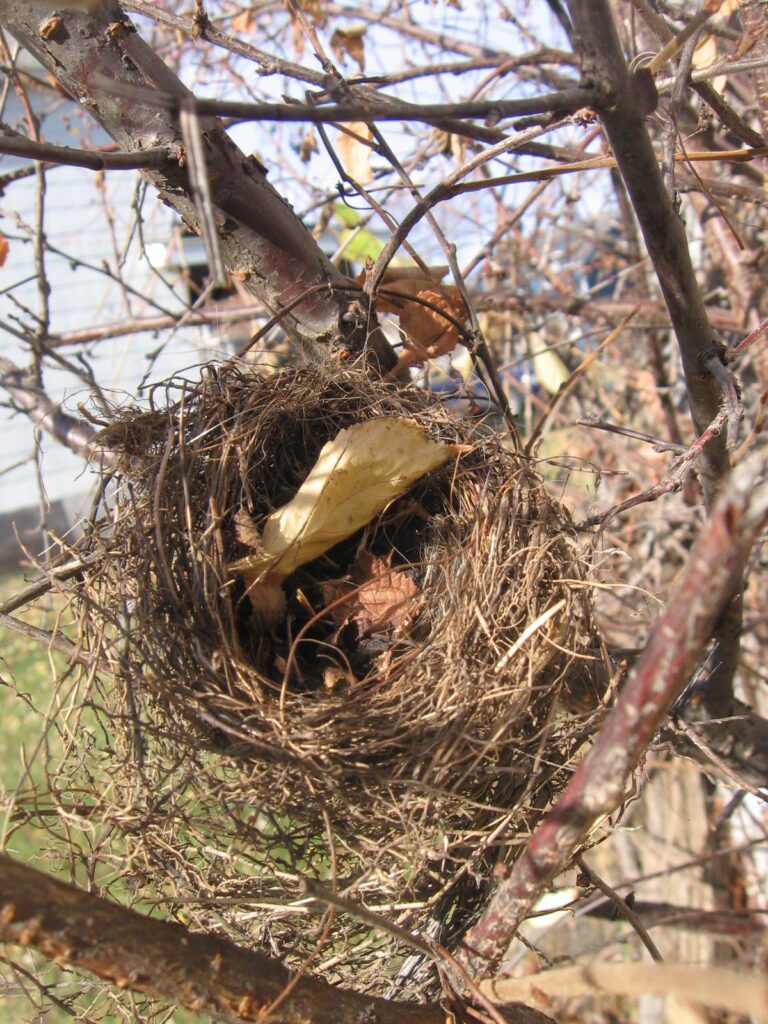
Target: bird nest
column 419, row 695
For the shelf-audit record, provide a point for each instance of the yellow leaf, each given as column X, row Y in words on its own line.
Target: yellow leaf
column 356, row 476
column 705, row 55
column 354, row 153
column 550, row 370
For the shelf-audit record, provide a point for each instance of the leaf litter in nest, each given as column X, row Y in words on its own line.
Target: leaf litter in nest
column 372, row 603
column 377, row 596
column 355, row 477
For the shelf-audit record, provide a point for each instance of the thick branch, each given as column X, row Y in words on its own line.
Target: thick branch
column 18, row 145
column 167, row 961
column 660, row 674
column 669, row 915
column 627, row 101
column 262, row 241
column 566, row 100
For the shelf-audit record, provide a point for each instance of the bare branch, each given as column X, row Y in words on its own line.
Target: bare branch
column 659, row 676
column 263, row 243
column 564, row 101
column 17, row 145
column 30, row 398
column 199, row 972
column 627, row 101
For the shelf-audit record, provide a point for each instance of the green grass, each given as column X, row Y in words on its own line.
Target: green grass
column 27, row 676
column 27, row 741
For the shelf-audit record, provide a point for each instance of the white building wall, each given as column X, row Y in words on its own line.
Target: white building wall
column 79, row 205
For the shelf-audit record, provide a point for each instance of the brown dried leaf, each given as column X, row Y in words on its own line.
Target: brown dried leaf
column 336, row 678
column 299, row 39
column 355, row 155
column 428, row 333
column 380, row 597
column 313, row 9
column 349, row 42
column 246, row 530
column 399, row 284
column 308, row 146
column 385, row 593
column 245, row 21
column 3, row 250
column 267, row 599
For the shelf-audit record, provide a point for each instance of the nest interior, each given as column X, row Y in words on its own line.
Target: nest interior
column 420, row 743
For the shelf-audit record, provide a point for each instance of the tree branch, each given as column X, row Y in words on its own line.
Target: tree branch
column 29, row 398
column 563, row 101
column 659, row 676
column 263, row 243
column 626, row 102
column 18, row 145
column 166, row 961
column 203, row 973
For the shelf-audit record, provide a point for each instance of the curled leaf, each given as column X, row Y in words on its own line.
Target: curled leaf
column 378, row 596
column 350, row 42
column 308, row 146
column 354, row 152
column 355, row 477
column 430, row 312
column 246, row 531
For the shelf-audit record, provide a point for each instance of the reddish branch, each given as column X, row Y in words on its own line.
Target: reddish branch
column 628, row 99
column 671, row 654
column 739, row 923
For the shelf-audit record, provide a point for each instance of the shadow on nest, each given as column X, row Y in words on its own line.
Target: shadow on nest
column 421, row 698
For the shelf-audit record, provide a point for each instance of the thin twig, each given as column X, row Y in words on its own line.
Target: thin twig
column 622, row 906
